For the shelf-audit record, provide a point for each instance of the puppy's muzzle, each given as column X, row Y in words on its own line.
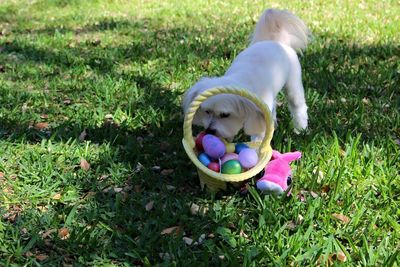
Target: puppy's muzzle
column 211, row 131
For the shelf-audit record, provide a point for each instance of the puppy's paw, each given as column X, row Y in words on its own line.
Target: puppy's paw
column 300, row 131
column 300, row 122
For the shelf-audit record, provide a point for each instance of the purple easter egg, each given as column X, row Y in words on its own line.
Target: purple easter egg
column 229, row 156
column 248, row 158
column 213, row 146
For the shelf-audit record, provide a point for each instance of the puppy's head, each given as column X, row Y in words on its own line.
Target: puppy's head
column 225, row 114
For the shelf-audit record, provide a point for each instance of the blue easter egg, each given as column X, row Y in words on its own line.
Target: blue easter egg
column 204, row 159
column 213, row 146
column 239, row 147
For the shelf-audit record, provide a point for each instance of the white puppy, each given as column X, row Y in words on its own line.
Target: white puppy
column 269, row 64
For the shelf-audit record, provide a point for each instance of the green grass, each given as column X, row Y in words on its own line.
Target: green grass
column 117, row 70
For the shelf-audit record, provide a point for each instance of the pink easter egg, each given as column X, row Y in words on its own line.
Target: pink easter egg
column 248, row 158
column 229, row 156
column 213, row 146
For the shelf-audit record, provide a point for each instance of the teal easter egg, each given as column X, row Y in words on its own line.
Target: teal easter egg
column 231, row 167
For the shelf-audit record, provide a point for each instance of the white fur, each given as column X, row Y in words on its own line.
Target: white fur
column 269, row 64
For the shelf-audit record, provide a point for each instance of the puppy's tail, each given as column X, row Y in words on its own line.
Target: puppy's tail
column 284, row 27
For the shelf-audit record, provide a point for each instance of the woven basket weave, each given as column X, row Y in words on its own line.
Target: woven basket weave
column 217, row 181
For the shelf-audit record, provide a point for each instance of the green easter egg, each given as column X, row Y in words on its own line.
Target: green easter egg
column 231, row 167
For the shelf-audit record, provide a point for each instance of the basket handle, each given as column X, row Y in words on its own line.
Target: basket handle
column 195, row 105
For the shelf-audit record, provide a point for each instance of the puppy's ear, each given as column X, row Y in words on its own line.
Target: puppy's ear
column 190, row 94
column 254, row 123
column 188, row 98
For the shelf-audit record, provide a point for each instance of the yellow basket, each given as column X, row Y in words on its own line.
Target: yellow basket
column 213, row 180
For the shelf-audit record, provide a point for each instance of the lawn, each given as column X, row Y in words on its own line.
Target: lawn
column 92, row 170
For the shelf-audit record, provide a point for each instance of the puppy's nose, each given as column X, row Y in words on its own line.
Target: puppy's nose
column 211, row 131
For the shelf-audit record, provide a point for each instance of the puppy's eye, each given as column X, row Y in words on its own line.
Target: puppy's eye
column 207, row 111
column 224, row 115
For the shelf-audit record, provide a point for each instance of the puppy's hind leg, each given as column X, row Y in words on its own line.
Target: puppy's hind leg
column 295, row 95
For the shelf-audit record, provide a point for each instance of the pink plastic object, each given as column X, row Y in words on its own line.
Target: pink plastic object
column 277, row 176
column 229, row 156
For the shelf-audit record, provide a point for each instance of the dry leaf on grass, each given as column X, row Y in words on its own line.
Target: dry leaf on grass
column 83, row 135
column 167, row 171
column 366, row 101
column 291, row 225
column 137, row 188
column 84, row 164
column 41, row 257
column 41, row 125
column 187, row 240
column 325, row 189
column 48, row 233
column 165, row 256
column 118, row 189
column 332, row 258
column 63, row 233
column 341, row 217
column 149, row 206
column 301, row 197
column 1, row 175
column 171, row 230
column 156, row 168
column 243, row 234
column 170, row 187
column 194, row 209
column 57, row 196
column 299, row 219
column 341, row 256
column 89, row 194
column 12, row 213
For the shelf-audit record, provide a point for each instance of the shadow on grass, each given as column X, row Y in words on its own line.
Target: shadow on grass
column 337, row 77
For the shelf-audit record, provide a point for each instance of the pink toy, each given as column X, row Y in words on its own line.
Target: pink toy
column 277, row 176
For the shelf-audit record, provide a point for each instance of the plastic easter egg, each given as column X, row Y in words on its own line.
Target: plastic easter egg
column 231, row 167
column 248, row 158
column 214, row 166
column 229, row 156
column 204, row 158
column 230, row 147
column 199, row 140
column 239, row 147
column 213, row 146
